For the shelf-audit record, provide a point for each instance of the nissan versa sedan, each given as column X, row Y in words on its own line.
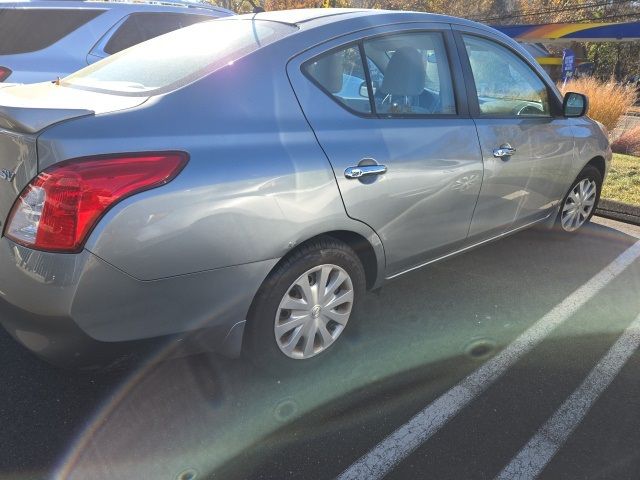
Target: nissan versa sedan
column 243, row 181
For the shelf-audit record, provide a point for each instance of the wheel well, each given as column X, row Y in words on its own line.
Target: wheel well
column 363, row 249
column 360, row 245
column 598, row 162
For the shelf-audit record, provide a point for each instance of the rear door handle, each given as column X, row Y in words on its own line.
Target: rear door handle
column 364, row 170
column 504, row 151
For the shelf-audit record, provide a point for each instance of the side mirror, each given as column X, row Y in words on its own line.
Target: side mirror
column 575, row 105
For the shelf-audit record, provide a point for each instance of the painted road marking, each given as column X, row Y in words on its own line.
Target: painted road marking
column 397, row 446
column 536, row 454
column 625, row 228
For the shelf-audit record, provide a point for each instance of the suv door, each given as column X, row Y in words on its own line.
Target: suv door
column 527, row 146
column 397, row 133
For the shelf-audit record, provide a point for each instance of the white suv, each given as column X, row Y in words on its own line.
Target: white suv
column 41, row 40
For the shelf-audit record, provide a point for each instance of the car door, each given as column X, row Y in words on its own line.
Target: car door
column 389, row 111
column 527, row 146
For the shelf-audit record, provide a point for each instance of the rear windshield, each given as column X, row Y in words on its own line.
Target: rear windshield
column 30, row 30
column 139, row 27
column 177, row 58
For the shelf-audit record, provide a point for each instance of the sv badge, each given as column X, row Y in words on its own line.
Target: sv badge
column 7, row 175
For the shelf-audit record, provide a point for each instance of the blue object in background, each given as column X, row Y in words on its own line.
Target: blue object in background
column 568, row 63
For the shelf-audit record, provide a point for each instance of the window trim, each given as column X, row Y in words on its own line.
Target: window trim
column 98, row 49
column 472, row 93
column 367, row 77
column 457, row 85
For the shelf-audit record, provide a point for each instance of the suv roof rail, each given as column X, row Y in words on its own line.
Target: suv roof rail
column 176, row 3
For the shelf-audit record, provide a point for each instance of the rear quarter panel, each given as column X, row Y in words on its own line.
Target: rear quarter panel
column 256, row 184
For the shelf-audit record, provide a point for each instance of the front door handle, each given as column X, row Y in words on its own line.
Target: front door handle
column 504, row 151
column 364, row 170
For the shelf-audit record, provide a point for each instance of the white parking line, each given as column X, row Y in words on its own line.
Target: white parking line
column 398, row 445
column 536, row 454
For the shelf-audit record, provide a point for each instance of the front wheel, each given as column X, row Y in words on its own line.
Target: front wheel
column 581, row 200
column 304, row 306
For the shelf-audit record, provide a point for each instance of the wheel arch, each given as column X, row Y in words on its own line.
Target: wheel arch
column 363, row 249
column 368, row 250
column 599, row 163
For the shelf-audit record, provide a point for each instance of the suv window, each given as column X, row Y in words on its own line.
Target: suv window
column 412, row 75
column 29, row 30
column 505, row 84
column 341, row 75
column 139, row 27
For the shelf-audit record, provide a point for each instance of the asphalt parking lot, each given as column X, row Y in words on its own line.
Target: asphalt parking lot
column 516, row 360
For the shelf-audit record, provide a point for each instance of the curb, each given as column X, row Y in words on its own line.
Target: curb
column 619, row 211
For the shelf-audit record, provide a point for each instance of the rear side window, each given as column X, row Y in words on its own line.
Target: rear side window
column 30, row 30
column 177, row 58
column 413, row 74
column 140, row 27
column 341, row 75
column 409, row 75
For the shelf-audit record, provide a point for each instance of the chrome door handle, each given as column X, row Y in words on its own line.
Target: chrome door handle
column 364, row 170
column 504, row 151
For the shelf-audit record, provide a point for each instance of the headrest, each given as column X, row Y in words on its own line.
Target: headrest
column 328, row 72
column 405, row 73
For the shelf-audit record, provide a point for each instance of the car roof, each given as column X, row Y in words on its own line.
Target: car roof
column 346, row 20
column 302, row 15
column 314, row 16
column 129, row 5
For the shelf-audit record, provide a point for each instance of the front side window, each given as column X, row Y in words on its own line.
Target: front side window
column 412, row 74
column 505, row 84
column 341, row 74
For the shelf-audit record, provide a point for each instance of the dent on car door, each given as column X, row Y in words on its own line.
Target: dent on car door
column 404, row 152
column 527, row 147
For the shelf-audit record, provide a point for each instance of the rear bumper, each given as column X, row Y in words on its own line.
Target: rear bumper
column 60, row 341
column 78, row 310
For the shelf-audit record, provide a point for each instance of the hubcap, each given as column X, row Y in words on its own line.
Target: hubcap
column 314, row 311
column 578, row 205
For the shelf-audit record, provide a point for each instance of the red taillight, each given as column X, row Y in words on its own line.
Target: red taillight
column 59, row 208
column 4, row 73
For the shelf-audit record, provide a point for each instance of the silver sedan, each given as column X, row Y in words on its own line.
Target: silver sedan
column 239, row 184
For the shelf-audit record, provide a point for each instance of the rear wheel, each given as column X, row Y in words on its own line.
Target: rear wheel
column 304, row 306
column 581, row 200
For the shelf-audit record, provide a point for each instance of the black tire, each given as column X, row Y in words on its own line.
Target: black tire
column 589, row 172
column 259, row 342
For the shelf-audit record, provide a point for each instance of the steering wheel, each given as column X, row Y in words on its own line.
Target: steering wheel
column 529, row 109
